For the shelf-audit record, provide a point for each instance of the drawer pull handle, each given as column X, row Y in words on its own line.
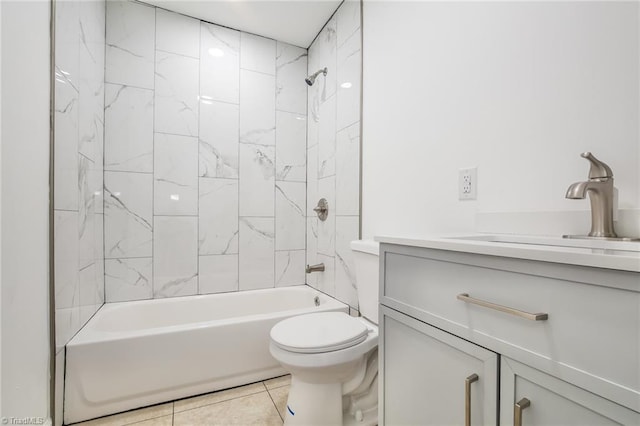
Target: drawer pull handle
column 517, row 413
column 533, row 317
column 467, row 398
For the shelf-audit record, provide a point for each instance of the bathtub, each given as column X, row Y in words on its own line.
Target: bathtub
column 134, row 354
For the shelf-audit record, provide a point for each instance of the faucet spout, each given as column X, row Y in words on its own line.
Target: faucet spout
column 577, row 191
column 600, row 190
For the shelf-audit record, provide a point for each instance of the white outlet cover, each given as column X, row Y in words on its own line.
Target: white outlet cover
column 468, row 184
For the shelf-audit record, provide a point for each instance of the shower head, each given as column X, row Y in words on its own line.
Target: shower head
column 312, row 78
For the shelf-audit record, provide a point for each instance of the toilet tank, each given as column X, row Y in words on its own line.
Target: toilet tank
column 365, row 259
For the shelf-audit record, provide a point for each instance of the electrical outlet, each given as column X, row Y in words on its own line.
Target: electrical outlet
column 468, row 184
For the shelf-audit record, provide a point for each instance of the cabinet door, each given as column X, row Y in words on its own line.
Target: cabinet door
column 549, row 401
column 424, row 374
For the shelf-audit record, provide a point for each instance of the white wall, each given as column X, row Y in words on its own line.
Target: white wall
column 516, row 89
column 24, row 189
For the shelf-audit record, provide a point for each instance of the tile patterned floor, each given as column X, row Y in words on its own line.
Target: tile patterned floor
column 262, row 403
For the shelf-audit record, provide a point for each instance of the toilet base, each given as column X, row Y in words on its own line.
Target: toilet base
column 314, row 404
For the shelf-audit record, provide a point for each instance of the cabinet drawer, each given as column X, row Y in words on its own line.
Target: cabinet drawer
column 590, row 323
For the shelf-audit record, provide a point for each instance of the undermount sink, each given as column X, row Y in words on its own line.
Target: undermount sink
column 568, row 241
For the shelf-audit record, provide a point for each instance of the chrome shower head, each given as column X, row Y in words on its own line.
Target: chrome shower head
column 312, row 78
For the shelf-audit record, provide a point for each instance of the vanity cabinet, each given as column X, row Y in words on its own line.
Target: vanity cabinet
column 564, row 337
column 433, row 378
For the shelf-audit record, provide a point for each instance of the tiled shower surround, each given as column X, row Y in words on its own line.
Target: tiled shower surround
column 205, row 157
column 333, row 152
column 78, row 156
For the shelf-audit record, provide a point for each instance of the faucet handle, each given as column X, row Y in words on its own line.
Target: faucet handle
column 598, row 170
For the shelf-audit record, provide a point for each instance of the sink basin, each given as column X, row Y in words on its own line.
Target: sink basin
column 570, row 241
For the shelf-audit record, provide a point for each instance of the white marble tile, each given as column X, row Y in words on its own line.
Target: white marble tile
column 219, row 63
column 91, row 78
column 322, row 53
column 128, row 214
column 349, row 74
column 218, row 274
column 313, row 110
column 290, row 268
column 66, row 132
column 66, row 258
column 96, row 184
column 218, row 216
column 291, row 138
column 347, row 20
column 175, row 175
column 176, row 94
column 257, row 53
column 327, row 228
column 99, row 254
column 327, row 139
column 347, row 230
column 348, row 171
column 67, row 324
column 219, row 138
column 128, row 129
column 177, row 33
column 67, row 42
column 128, row 279
column 175, row 256
column 89, row 289
column 86, row 214
column 313, row 119
column 257, row 108
column 312, row 248
column 257, row 180
column 291, row 70
column 290, row 215
column 312, row 180
column 256, row 261
column 91, row 96
column 130, row 47
column 326, row 278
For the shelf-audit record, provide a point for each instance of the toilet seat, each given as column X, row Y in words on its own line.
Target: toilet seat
column 318, row 333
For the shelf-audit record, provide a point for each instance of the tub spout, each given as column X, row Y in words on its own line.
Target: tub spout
column 314, row 268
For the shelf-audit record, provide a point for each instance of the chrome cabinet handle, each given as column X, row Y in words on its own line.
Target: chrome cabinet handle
column 467, row 398
column 522, row 314
column 517, row 413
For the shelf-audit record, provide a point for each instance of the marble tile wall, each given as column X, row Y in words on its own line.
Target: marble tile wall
column 78, row 168
column 205, row 157
column 333, row 152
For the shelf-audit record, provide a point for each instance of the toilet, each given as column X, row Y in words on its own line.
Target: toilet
column 333, row 357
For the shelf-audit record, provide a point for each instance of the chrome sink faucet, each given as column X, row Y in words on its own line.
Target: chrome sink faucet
column 600, row 190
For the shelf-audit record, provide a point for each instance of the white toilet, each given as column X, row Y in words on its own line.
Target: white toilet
column 333, row 357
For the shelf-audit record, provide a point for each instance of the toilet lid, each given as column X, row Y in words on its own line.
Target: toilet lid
column 319, row 332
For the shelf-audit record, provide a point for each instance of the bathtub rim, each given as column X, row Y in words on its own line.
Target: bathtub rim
column 89, row 335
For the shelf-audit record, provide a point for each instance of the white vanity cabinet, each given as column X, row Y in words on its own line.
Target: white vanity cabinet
column 448, row 313
column 434, row 378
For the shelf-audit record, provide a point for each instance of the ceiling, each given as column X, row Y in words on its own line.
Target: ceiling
column 293, row 21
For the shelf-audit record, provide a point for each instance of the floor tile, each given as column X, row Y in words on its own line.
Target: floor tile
column 134, row 416
column 257, row 409
column 212, row 398
column 279, row 397
column 278, row 382
column 158, row 421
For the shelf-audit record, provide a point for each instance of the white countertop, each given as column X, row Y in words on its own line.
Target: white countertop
column 619, row 255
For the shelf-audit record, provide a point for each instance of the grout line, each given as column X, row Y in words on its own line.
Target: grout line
column 198, row 158
column 153, row 157
column 274, row 403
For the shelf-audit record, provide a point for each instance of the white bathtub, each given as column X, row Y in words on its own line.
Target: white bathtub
column 140, row 353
